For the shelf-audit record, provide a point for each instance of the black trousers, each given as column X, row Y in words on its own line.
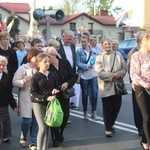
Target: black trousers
column 138, row 120
column 143, row 100
column 111, row 108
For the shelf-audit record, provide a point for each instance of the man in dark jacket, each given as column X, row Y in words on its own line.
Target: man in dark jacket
column 67, row 48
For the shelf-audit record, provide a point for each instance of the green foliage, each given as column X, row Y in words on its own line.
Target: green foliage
column 101, row 5
column 141, row 29
column 15, row 27
column 70, row 6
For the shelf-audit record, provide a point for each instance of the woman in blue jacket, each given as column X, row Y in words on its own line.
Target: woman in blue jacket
column 85, row 59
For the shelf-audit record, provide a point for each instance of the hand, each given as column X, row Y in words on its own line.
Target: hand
column 15, row 109
column 51, row 98
column 55, row 91
column 27, row 79
column 90, row 67
column 116, row 76
column 64, row 86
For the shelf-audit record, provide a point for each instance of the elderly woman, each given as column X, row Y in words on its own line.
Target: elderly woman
column 22, row 80
column 66, row 78
column 108, row 73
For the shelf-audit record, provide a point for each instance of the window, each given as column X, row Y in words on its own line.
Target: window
column 90, row 28
column 73, row 26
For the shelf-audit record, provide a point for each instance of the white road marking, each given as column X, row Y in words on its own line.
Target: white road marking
column 118, row 125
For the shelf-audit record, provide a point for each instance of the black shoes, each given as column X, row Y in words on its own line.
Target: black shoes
column 108, row 134
column 55, row 144
column 113, row 129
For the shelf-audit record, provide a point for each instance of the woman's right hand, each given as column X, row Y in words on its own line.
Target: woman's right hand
column 27, row 79
column 51, row 98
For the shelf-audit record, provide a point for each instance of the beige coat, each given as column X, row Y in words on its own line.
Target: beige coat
column 103, row 65
column 24, row 103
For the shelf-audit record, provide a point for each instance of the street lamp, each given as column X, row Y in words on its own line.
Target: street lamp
column 39, row 14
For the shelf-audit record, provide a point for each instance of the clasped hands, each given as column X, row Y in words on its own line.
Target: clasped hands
column 116, row 76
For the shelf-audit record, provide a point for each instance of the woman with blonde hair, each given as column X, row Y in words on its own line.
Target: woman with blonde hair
column 140, row 76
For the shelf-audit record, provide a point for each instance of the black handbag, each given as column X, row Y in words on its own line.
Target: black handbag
column 120, row 88
column 68, row 93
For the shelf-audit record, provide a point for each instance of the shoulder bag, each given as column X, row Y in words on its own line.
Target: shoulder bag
column 79, row 75
column 119, row 87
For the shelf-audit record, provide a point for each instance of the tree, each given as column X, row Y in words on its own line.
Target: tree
column 101, row 5
column 15, row 26
column 70, row 6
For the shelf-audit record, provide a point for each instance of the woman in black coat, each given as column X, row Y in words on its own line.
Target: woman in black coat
column 66, row 78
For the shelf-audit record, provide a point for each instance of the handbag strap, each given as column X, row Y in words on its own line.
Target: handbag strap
column 113, row 62
column 89, row 56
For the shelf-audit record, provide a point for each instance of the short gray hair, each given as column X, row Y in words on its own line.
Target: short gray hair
column 2, row 58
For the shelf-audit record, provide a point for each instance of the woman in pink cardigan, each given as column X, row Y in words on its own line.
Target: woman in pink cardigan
column 140, row 76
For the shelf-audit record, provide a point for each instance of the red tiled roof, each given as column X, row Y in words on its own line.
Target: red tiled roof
column 25, row 8
column 104, row 20
column 16, row 7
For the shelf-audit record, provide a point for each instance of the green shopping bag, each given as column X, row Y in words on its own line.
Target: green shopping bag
column 54, row 114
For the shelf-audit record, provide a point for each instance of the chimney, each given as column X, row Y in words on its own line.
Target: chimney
column 103, row 13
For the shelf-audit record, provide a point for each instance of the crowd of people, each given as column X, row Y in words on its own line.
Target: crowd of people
column 42, row 70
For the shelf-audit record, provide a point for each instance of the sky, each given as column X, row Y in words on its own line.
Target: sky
column 125, row 4
column 122, row 3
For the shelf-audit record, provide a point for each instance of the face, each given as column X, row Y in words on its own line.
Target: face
column 106, row 45
column 75, row 38
column 22, row 47
column 67, row 39
column 4, row 41
column 84, row 42
column 52, row 57
column 93, row 42
column 17, row 37
column 57, row 47
column 44, row 64
column 115, row 46
column 38, row 46
column 2, row 66
column 33, row 62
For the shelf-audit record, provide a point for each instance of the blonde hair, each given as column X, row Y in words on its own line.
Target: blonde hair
column 144, row 45
column 54, row 43
column 50, row 50
column 40, row 57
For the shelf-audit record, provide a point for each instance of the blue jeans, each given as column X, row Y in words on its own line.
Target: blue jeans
column 32, row 124
column 89, row 88
column 43, row 132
